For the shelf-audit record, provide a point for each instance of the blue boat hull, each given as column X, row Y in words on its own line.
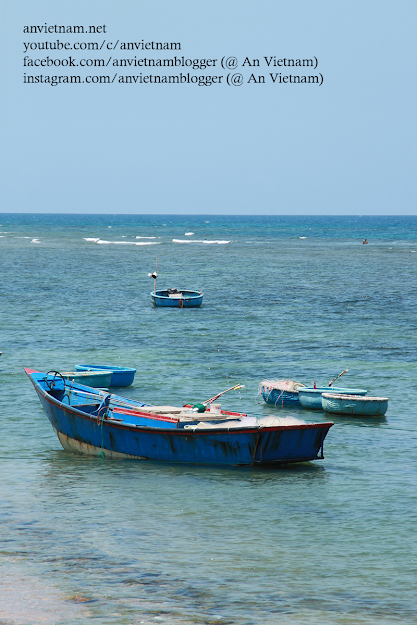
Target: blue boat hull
column 355, row 405
column 120, row 376
column 191, row 299
column 281, row 398
column 95, row 379
column 311, row 398
column 79, row 431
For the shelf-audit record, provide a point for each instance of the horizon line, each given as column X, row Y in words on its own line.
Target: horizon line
column 208, row 214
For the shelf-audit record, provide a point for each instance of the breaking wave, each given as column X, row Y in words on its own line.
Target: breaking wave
column 103, row 242
column 198, row 241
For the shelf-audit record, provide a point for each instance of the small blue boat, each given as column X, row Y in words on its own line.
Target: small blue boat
column 311, row 397
column 355, row 405
column 177, row 298
column 109, row 426
column 97, row 378
column 174, row 298
column 280, row 392
column 120, row 376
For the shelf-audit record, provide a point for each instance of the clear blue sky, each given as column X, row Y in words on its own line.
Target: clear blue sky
column 345, row 147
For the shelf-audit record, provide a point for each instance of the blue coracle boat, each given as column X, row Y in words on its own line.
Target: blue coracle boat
column 280, row 392
column 96, row 423
column 311, row 398
column 177, row 298
column 354, row 405
column 120, row 376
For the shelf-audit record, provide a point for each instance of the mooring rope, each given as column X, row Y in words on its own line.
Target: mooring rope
column 101, row 454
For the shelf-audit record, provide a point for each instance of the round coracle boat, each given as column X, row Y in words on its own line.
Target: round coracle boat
column 177, row 298
column 354, row 405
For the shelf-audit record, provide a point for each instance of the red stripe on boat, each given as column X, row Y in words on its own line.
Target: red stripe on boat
column 148, row 415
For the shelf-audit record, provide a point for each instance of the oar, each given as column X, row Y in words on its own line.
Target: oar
column 232, row 388
column 338, row 376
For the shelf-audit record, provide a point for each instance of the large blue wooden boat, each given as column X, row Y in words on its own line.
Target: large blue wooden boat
column 107, row 425
column 177, row 298
column 119, row 376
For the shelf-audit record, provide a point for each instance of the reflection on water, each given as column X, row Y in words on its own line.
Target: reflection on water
column 76, row 464
column 368, row 422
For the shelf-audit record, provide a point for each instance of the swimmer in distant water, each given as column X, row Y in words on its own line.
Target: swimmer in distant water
column 365, row 242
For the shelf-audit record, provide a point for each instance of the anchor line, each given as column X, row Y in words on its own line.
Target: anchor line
column 101, row 453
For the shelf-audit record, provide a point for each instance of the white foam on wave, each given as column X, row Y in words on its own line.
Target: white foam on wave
column 147, row 237
column 91, row 239
column 23, row 237
column 302, row 237
column 4, row 232
column 188, row 234
column 200, row 241
column 35, row 241
column 102, row 242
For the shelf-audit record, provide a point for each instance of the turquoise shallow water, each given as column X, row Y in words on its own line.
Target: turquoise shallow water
column 83, row 540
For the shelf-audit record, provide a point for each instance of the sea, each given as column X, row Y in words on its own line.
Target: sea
column 89, row 540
